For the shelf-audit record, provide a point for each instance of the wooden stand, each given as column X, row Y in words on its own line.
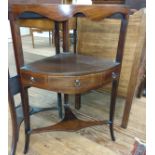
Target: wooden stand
column 67, row 73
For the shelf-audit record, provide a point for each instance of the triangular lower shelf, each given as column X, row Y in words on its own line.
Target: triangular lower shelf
column 69, row 123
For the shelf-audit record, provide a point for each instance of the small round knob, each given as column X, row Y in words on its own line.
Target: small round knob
column 115, row 75
column 77, row 83
column 32, row 79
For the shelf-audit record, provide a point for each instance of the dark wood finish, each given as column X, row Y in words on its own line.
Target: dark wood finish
column 15, row 126
column 67, row 1
column 65, row 36
column 115, row 80
column 77, row 97
column 121, row 41
column 17, row 112
column 17, row 45
column 34, row 1
column 57, row 50
column 57, row 37
column 65, row 49
column 25, row 105
column 68, row 73
column 119, row 55
column 78, row 101
column 133, row 4
column 108, row 1
column 57, row 13
column 69, row 123
column 75, row 39
column 19, row 62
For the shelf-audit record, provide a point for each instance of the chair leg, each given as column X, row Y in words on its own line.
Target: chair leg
column 49, row 37
column 113, row 103
column 25, row 104
column 31, row 32
column 75, row 39
column 59, row 99
column 53, row 37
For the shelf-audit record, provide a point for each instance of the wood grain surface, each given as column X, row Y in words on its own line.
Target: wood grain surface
column 101, row 40
column 65, row 12
column 89, row 141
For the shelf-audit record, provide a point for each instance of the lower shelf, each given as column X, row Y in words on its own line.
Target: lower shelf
column 69, row 123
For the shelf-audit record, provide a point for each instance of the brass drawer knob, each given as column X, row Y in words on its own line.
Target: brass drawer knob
column 115, row 75
column 77, row 83
column 32, row 79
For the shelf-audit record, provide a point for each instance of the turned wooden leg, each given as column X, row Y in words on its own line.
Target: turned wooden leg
column 25, row 105
column 77, row 101
column 50, row 42
column 113, row 102
column 75, row 39
column 31, row 32
column 59, row 100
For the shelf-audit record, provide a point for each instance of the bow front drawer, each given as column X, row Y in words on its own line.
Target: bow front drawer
column 75, row 85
